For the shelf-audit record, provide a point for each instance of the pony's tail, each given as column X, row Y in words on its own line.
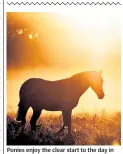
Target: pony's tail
column 19, row 103
column 18, row 115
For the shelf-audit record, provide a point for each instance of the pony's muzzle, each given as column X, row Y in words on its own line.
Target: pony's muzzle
column 101, row 96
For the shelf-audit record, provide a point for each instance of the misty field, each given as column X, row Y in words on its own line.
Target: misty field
column 88, row 129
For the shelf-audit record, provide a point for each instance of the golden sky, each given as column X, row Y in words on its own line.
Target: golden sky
column 54, row 46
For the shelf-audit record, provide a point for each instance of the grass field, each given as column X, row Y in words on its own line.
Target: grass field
column 88, row 129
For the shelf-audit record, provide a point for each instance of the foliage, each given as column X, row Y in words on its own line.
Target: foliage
column 87, row 130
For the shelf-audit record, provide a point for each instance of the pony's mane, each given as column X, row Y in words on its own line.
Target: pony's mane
column 80, row 74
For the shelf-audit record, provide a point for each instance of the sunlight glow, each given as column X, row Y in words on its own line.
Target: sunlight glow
column 63, row 44
column 19, row 31
column 115, row 143
column 30, row 36
column 36, row 35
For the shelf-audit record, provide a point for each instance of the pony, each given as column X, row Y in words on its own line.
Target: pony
column 61, row 95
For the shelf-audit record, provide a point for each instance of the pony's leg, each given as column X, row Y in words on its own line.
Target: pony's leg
column 68, row 140
column 67, row 120
column 63, row 126
column 23, row 121
column 36, row 114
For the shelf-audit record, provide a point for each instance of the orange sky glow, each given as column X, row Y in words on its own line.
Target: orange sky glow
column 58, row 45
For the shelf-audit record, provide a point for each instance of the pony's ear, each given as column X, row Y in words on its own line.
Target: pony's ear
column 101, row 71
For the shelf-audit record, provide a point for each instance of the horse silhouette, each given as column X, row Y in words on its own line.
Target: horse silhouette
column 61, row 95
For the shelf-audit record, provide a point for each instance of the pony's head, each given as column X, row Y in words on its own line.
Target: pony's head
column 19, row 113
column 96, row 83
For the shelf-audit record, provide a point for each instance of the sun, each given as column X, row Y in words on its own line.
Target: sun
column 94, row 27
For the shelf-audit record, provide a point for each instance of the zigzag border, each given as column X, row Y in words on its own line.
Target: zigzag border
column 63, row 3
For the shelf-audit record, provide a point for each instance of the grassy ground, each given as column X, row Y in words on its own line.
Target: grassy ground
column 87, row 130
